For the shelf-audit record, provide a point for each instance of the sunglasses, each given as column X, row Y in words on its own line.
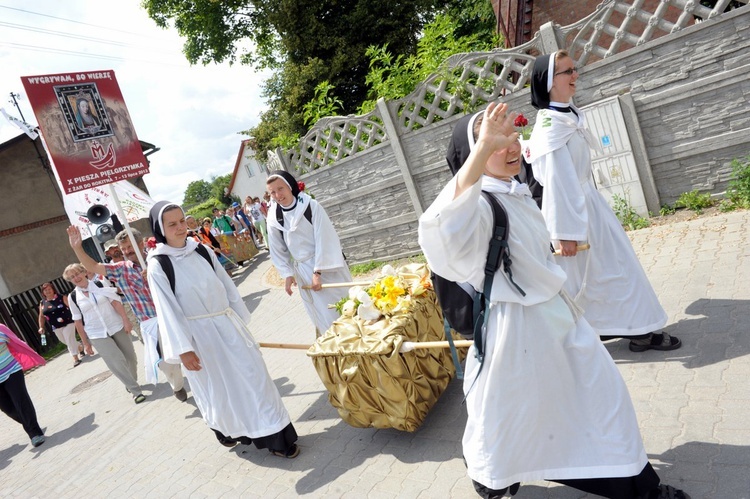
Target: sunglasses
column 568, row 72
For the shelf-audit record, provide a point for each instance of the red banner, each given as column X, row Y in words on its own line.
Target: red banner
column 87, row 128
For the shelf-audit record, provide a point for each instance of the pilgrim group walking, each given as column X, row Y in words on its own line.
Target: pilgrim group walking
column 545, row 401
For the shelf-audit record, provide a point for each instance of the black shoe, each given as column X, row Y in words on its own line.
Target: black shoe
column 657, row 341
column 225, row 440
column 181, row 395
column 666, row 492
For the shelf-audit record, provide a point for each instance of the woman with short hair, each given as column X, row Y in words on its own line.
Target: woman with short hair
column 105, row 328
column 54, row 309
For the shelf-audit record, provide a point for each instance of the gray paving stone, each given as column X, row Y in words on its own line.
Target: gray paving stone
column 692, row 404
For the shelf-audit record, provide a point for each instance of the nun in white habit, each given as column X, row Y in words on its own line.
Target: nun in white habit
column 547, row 402
column 305, row 248
column 607, row 281
column 203, row 326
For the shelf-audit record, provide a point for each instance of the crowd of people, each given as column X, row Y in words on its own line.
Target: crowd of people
column 571, row 419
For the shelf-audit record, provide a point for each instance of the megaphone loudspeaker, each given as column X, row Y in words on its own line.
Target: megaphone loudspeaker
column 98, row 214
column 105, row 233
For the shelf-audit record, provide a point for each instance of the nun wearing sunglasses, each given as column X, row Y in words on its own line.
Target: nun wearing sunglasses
column 607, row 281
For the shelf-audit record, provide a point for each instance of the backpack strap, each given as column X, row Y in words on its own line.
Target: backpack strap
column 496, row 254
column 72, row 294
column 203, row 251
column 168, row 268
column 280, row 214
column 166, row 265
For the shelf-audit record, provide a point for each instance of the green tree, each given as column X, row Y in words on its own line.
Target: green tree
column 197, row 192
column 306, row 43
column 393, row 77
column 322, row 105
column 220, row 189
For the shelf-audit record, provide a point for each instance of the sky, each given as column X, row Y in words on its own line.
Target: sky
column 192, row 113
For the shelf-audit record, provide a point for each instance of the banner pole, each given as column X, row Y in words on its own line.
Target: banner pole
column 121, row 215
column 97, row 244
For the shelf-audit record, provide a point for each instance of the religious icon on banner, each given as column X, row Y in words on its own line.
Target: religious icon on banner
column 84, row 111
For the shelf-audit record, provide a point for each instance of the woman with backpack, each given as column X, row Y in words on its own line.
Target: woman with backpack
column 305, row 249
column 102, row 323
column 545, row 401
column 203, row 325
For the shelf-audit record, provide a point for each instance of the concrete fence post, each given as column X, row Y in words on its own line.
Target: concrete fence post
column 398, row 152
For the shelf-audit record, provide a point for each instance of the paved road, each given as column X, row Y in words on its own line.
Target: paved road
column 692, row 405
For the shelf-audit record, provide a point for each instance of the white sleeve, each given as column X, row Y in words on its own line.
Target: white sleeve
column 563, row 200
column 75, row 310
column 174, row 330
column 280, row 255
column 328, row 254
column 454, row 234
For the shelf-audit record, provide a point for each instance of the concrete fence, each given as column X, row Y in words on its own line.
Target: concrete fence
column 684, row 98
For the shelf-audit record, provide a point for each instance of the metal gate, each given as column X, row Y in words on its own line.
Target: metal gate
column 615, row 170
column 21, row 312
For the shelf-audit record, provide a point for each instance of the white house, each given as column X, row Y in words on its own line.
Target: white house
column 249, row 176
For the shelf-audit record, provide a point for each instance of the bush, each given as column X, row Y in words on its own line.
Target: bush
column 738, row 192
column 666, row 210
column 726, row 205
column 627, row 216
column 694, row 201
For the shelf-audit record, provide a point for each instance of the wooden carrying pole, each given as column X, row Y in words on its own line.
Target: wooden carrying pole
column 340, row 285
column 580, row 247
column 406, row 346
column 288, row 346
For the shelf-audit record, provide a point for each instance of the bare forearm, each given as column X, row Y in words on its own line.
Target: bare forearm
column 82, row 333
column 120, row 310
column 88, row 262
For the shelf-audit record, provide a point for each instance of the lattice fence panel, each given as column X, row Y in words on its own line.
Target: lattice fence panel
column 334, row 138
column 466, row 82
column 616, row 26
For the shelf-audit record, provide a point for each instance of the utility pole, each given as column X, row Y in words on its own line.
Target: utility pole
column 15, row 103
column 42, row 160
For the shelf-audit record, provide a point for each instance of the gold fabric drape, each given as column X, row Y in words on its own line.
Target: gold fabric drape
column 369, row 382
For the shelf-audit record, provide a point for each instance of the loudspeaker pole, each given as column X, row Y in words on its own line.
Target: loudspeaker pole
column 96, row 243
column 126, row 224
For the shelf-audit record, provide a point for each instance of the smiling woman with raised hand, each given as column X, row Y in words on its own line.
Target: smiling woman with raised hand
column 202, row 319
column 607, row 281
column 545, row 401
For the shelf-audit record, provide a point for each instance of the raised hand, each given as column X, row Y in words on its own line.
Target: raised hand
column 74, row 237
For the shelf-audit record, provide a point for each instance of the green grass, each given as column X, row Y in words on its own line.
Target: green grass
column 365, row 268
column 54, row 351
